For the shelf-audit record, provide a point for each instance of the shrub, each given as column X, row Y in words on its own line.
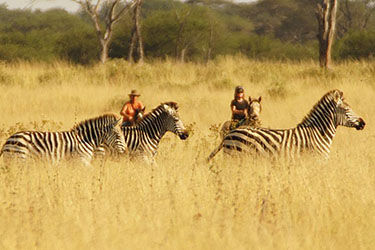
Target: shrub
column 356, row 45
column 78, row 46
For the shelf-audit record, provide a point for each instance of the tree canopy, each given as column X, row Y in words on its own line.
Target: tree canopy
column 263, row 29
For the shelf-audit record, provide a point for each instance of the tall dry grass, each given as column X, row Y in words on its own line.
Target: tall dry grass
column 184, row 203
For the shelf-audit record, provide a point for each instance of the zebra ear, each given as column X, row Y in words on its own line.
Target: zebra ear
column 249, row 98
column 338, row 95
column 260, row 99
column 116, row 122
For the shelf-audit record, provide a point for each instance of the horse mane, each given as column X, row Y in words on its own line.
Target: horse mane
column 110, row 116
column 329, row 97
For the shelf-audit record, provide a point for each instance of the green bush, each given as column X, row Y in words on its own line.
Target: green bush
column 78, row 46
column 356, row 45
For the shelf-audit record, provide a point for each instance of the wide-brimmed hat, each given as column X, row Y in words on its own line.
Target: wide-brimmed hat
column 134, row 93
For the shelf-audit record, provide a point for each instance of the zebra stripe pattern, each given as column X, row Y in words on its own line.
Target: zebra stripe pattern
column 314, row 134
column 143, row 139
column 79, row 142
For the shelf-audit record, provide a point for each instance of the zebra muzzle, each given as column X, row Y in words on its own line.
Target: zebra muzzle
column 184, row 135
column 361, row 124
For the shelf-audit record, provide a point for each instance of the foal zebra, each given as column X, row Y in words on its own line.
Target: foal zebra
column 314, row 134
column 143, row 138
column 79, row 142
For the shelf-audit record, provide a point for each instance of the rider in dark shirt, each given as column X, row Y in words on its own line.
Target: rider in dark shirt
column 239, row 107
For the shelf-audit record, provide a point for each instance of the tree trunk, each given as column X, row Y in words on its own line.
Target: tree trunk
column 104, row 52
column 111, row 17
column 182, row 56
column 132, row 45
column 182, row 18
column 326, row 16
column 138, row 31
column 178, row 40
column 136, row 36
column 209, row 50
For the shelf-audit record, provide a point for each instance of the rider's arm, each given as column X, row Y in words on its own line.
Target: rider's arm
column 246, row 111
column 236, row 111
column 142, row 107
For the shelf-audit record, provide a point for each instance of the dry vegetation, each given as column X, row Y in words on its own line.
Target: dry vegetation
column 184, row 203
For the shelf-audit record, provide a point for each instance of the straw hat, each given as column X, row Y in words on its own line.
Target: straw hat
column 134, row 93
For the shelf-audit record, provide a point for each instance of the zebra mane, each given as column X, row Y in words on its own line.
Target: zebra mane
column 155, row 112
column 330, row 97
column 106, row 118
column 173, row 105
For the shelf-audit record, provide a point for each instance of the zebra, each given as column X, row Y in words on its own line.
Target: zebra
column 80, row 142
column 314, row 134
column 253, row 119
column 143, row 138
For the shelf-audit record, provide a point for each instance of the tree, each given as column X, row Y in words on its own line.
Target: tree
column 111, row 17
column 326, row 15
column 355, row 15
column 180, row 48
column 136, row 36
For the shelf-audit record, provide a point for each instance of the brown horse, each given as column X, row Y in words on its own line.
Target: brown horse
column 252, row 120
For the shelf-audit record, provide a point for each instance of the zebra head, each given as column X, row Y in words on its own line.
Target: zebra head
column 114, row 138
column 173, row 121
column 345, row 116
column 104, row 129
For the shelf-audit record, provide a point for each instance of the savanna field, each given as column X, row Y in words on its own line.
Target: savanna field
column 184, row 202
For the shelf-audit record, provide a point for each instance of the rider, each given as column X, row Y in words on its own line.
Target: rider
column 238, row 107
column 131, row 109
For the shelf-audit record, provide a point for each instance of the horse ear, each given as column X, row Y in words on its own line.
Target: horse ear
column 259, row 98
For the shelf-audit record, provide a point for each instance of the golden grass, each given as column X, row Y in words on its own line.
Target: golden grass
column 184, row 203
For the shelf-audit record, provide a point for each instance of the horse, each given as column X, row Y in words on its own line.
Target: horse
column 252, row 120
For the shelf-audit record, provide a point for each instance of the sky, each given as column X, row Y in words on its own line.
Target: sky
column 41, row 4
column 48, row 4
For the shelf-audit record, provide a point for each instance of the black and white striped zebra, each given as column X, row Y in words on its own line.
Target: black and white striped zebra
column 314, row 134
column 143, row 139
column 80, row 142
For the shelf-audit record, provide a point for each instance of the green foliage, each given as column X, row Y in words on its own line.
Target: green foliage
column 356, row 45
column 78, row 46
column 33, row 35
column 161, row 22
column 264, row 47
column 263, row 29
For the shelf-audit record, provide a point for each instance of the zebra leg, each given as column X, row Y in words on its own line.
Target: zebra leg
column 14, row 159
column 149, row 159
column 86, row 158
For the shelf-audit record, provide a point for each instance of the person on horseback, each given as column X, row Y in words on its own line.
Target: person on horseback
column 132, row 109
column 239, row 107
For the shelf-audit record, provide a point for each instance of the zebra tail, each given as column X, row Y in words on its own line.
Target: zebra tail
column 216, row 150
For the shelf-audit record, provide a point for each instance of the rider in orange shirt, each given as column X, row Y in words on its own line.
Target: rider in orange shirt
column 131, row 109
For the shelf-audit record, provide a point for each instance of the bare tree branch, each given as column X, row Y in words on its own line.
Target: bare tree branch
column 110, row 19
